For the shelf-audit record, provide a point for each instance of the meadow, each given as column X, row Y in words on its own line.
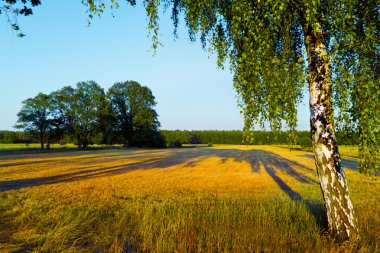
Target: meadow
column 226, row 198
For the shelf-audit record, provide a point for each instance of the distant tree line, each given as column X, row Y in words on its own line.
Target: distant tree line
column 194, row 137
column 189, row 137
column 17, row 137
column 88, row 115
column 303, row 138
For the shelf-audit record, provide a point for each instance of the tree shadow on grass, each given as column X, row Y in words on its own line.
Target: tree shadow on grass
column 162, row 160
column 348, row 163
column 16, row 164
column 273, row 164
column 315, row 207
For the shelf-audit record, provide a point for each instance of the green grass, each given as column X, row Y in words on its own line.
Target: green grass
column 11, row 146
column 344, row 150
column 219, row 199
column 351, row 151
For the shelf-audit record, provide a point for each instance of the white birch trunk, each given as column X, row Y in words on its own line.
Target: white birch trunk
column 339, row 209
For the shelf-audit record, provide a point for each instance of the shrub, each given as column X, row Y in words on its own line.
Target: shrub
column 148, row 138
column 209, row 144
column 194, row 139
column 177, row 144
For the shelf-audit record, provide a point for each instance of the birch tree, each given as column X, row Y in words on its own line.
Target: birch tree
column 274, row 48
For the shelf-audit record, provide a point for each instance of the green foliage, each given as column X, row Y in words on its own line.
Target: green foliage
column 203, row 136
column 85, row 115
column 177, row 144
column 194, row 139
column 357, row 78
column 36, row 116
column 233, row 136
column 89, row 103
column 264, row 42
column 305, row 142
column 134, row 117
column 148, row 138
column 63, row 103
column 8, row 137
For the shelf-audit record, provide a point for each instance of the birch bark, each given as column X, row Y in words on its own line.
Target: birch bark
column 339, row 208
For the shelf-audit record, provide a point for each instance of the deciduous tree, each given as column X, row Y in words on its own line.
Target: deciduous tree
column 133, row 106
column 89, row 100
column 63, row 103
column 35, row 117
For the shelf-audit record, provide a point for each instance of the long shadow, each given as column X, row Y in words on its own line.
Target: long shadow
column 287, row 189
column 5, row 165
column 69, row 177
column 271, row 166
column 163, row 159
column 156, row 161
column 85, row 159
column 351, row 164
column 79, row 154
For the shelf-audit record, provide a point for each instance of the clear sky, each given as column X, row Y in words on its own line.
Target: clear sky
column 61, row 50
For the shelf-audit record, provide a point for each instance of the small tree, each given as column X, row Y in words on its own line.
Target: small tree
column 35, row 116
column 194, row 139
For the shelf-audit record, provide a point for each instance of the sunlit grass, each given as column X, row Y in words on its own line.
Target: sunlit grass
column 352, row 151
column 20, row 146
column 344, row 150
column 225, row 198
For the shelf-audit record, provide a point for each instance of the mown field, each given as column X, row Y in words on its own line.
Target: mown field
column 219, row 199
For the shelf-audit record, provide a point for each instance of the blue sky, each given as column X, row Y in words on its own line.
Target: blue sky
column 61, row 50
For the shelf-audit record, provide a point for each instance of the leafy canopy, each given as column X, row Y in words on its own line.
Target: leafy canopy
column 133, row 106
column 88, row 107
column 35, row 114
column 265, row 42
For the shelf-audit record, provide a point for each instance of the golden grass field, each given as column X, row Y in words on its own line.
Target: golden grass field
column 220, row 199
